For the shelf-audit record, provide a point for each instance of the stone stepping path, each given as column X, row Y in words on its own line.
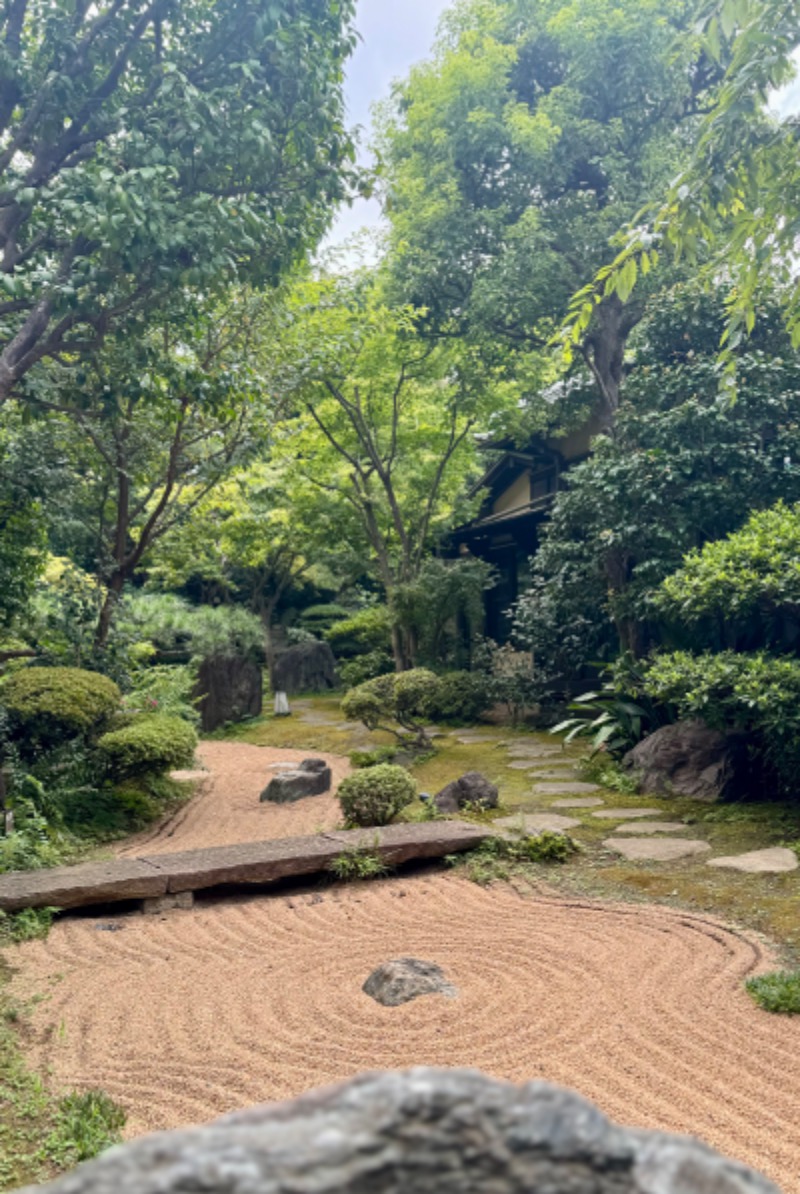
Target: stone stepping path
column 773, row 861
column 651, row 827
column 564, row 787
column 657, row 849
column 625, row 814
column 471, row 739
column 536, row 822
column 578, row 802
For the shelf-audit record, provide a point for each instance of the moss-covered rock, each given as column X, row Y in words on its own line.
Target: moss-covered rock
column 150, row 744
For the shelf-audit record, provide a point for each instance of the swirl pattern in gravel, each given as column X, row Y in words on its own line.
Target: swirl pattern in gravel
column 640, row 1008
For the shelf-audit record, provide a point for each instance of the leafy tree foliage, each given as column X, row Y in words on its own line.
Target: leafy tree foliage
column 155, row 145
column 536, row 131
column 146, row 430
column 384, row 425
column 733, row 210
column 682, row 470
column 745, row 588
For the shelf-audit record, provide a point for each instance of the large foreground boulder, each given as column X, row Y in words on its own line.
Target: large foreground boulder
column 437, row 1131
column 471, row 790
column 306, row 667
column 311, row 778
column 691, row 759
column 230, row 689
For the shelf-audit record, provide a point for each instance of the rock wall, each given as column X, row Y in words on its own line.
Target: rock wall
column 424, row 1131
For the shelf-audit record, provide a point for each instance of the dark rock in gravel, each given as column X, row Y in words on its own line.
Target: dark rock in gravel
column 441, row 1131
column 471, row 789
column 404, row 979
column 311, row 778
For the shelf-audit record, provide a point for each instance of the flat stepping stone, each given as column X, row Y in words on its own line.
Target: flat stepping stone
column 578, row 802
column 656, row 849
column 185, row 776
column 469, row 741
column 534, row 752
column 651, row 827
column 772, row 861
column 564, row 787
column 565, row 774
column 536, row 822
column 627, row 814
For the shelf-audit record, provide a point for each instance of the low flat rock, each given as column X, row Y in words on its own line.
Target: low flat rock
column 536, row 822
column 89, row 883
column 578, row 802
column 627, row 814
column 189, row 776
column 651, row 827
column 773, row 861
column 655, row 849
column 246, row 863
column 469, row 739
column 264, row 862
column 534, row 751
column 404, row 979
column 565, row 787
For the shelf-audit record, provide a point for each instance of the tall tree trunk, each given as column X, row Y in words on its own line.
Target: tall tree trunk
column 113, row 593
column 604, row 350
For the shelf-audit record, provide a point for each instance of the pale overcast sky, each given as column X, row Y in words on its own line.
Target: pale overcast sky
column 394, row 35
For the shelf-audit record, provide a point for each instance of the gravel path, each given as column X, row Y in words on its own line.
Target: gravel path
column 227, row 809
column 189, row 1015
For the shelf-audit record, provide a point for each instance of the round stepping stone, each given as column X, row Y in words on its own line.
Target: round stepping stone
column 651, row 827
column 564, row 788
column 773, row 861
column 627, row 814
column 578, row 802
column 656, row 849
column 536, row 822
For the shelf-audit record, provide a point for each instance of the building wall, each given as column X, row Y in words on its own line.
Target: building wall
column 517, row 494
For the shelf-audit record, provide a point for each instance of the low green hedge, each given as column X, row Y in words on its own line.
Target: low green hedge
column 153, row 743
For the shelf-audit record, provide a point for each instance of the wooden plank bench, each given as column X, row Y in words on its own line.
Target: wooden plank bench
column 162, row 875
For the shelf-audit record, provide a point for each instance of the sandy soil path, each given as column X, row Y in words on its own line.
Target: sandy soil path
column 227, row 810
column 187, row 1016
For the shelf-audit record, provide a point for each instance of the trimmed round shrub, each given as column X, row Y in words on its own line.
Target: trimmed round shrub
column 153, row 743
column 374, row 796
column 46, row 706
column 459, row 696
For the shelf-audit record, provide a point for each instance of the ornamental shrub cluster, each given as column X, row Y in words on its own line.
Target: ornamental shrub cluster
column 80, row 764
column 403, row 702
column 376, row 795
column 736, row 602
column 151, row 743
column 46, row 706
